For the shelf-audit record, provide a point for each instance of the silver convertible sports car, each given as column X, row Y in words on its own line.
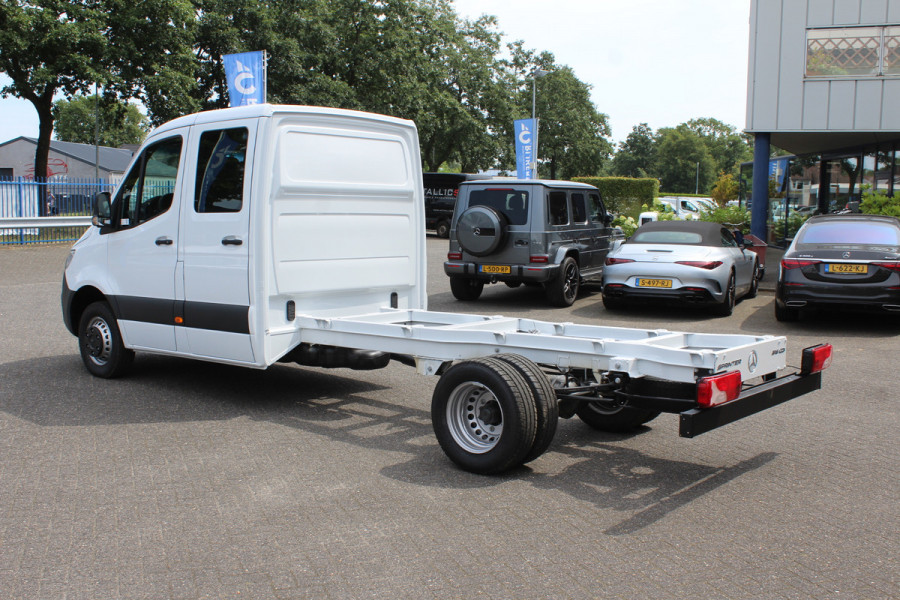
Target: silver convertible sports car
column 684, row 261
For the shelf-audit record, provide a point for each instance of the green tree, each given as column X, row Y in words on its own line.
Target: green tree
column 117, row 123
column 725, row 188
column 683, row 162
column 48, row 47
column 573, row 136
column 636, row 155
column 139, row 50
column 728, row 147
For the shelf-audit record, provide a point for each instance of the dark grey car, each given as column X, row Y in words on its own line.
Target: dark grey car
column 537, row 232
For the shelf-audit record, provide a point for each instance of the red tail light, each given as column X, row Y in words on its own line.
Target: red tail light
column 793, row 263
column 700, row 264
column 815, row 359
column 891, row 266
column 539, row 258
column 718, row 389
column 617, row 261
column 454, row 256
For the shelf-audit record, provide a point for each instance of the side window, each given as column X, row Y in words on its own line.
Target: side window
column 728, row 239
column 597, row 210
column 220, row 171
column 149, row 187
column 579, row 214
column 558, row 208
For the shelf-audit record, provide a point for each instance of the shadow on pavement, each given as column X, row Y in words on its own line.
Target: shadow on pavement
column 57, row 392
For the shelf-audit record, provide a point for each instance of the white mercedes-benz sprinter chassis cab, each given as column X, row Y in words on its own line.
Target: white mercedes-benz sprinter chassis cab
column 265, row 234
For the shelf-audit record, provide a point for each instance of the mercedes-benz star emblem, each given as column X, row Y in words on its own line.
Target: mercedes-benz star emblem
column 477, row 230
column 753, row 361
column 846, row 255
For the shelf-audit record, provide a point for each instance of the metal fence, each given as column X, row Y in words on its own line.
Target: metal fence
column 34, row 211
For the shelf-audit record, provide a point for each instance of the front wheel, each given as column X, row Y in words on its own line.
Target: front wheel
column 100, row 343
column 484, row 416
column 466, row 289
column 563, row 290
column 443, row 229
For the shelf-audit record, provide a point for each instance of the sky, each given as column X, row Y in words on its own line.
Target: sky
column 658, row 62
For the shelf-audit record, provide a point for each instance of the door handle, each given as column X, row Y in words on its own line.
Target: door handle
column 232, row 240
column 163, row 241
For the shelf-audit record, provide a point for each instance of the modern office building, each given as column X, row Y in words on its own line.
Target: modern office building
column 824, row 85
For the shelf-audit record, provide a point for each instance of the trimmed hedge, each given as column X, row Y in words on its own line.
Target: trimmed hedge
column 624, row 195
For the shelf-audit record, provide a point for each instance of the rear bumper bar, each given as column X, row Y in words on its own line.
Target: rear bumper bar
column 751, row 401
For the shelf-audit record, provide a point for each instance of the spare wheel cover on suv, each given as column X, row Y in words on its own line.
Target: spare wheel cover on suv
column 481, row 230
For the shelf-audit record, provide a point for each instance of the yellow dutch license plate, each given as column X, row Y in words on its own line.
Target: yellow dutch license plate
column 495, row 269
column 655, row 283
column 845, row 268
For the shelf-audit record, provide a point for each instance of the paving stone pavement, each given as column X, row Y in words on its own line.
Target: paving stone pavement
column 190, row 480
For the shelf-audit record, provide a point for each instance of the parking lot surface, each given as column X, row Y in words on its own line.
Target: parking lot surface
column 195, row 480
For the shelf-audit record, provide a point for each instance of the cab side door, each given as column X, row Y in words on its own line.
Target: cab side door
column 214, row 310
column 142, row 246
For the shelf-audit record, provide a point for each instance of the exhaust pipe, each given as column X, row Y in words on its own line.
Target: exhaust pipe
column 795, row 303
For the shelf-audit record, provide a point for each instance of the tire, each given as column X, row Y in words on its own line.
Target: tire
column 481, row 230
column 100, row 343
column 610, row 303
column 545, row 401
column 443, row 229
column 563, row 290
column 726, row 306
column 786, row 314
column 754, row 284
column 626, row 418
column 464, row 288
column 484, row 416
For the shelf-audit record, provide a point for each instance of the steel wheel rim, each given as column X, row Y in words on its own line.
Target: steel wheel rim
column 98, row 342
column 474, row 417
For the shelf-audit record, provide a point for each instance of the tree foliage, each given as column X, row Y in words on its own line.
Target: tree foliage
column 82, row 118
column 637, row 154
column 683, row 163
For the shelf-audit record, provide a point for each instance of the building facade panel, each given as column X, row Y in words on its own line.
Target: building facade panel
column 793, row 63
column 890, row 113
column 873, row 11
column 868, row 105
column 841, row 105
column 846, row 12
column 765, row 66
column 815, row 105
column 820, row 13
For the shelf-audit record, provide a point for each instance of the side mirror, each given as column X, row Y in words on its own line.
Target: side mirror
column 100, row 214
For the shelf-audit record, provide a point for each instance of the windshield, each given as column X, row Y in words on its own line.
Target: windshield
column 845, row 232
column 511, row 202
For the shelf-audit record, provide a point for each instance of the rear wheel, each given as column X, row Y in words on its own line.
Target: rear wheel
column 610, row 303
column 545, row 402
column 100, row 343
column 619, row 419
column 484, row 416
column 464, row 288
column 726, row 307
column 443, row 229
column 786, row 314
column 563, row 290
column 754, row 284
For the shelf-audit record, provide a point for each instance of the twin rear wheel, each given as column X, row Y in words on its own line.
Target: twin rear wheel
column 496, row 413
column 493, row 414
